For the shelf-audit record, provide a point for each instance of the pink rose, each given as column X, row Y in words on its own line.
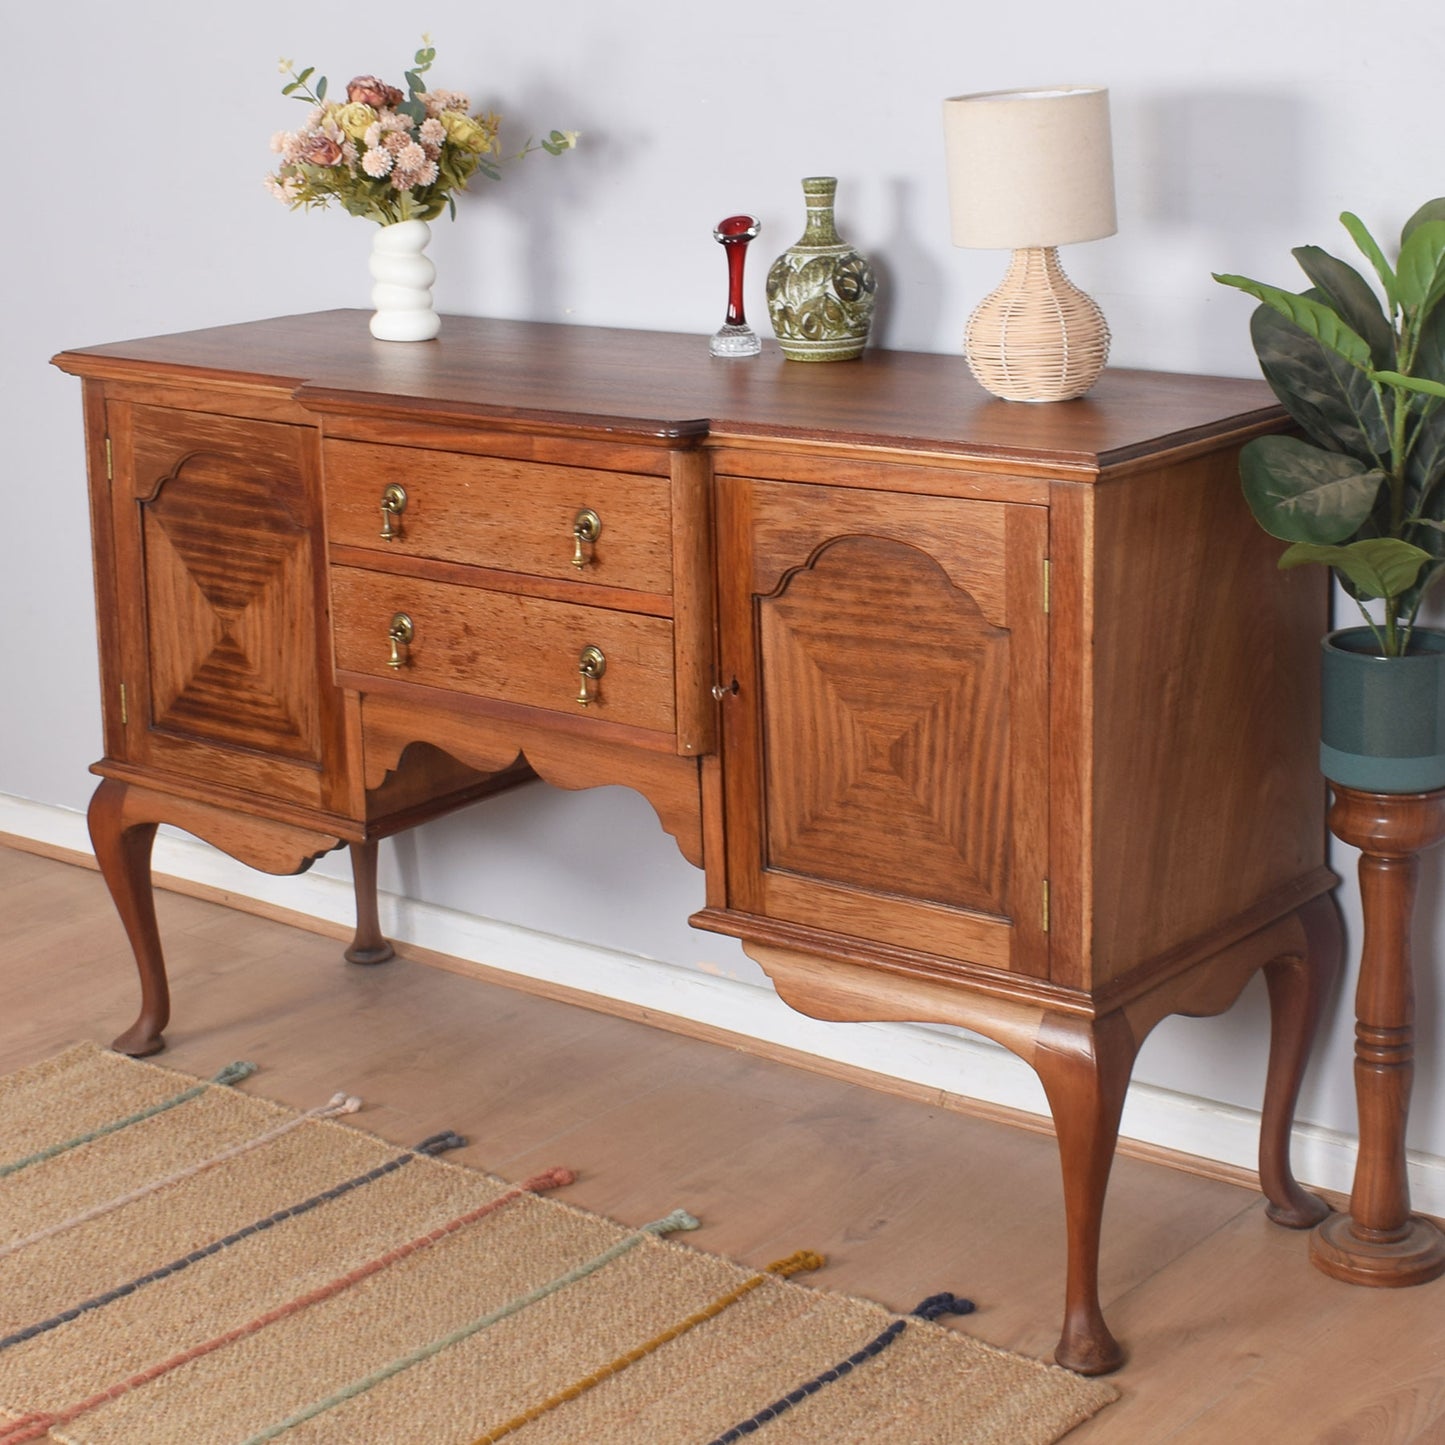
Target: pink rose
column 320, row 150
column 373, row 92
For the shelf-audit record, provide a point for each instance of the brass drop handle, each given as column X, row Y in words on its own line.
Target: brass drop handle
column 586, row 527
column 400, row 634
column 592, row 664
column 393, row 504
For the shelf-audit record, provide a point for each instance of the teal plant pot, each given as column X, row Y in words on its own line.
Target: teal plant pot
column 1383, row 721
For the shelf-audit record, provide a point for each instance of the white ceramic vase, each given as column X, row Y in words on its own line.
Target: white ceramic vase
column 402, row 278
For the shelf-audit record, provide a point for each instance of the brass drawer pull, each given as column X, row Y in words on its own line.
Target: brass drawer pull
column 586, row 527
column 400, row 635
column 393, row 504
column 592, row 664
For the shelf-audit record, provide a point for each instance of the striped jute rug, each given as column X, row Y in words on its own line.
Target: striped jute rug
column 183, row 1261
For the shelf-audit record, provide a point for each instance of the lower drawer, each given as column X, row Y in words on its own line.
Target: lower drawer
column 503, row 646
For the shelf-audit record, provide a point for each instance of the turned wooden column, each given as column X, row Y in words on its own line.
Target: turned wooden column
column 1379, row 1242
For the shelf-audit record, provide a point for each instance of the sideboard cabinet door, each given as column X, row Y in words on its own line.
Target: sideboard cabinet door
column 886, row 745
column 216, row 539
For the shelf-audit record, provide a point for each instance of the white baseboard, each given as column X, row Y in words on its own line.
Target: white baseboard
column 937, row 1059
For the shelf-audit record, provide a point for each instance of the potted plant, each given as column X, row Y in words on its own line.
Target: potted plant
column 1363, row 491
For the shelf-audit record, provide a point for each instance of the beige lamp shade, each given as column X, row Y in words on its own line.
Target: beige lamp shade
column 1030, row 167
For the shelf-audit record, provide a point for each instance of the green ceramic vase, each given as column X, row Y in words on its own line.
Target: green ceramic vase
column 1383, row 719
column 821, row 291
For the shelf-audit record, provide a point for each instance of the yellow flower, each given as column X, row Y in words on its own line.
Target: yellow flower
column 471, row 133
column 354, row 118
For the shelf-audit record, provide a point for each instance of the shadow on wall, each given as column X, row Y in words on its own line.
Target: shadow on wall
column 541, row 194
column 1224, row 162
column 910, row 281
column 1206, row 181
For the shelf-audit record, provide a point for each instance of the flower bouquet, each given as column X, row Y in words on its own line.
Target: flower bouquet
column 395, row 157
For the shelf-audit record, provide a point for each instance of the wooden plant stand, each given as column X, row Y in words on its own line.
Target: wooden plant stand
column 1379, row 1242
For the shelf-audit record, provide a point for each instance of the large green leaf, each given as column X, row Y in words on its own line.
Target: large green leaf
column 1348, row 293
column 1420, row 273
column 1425, row 468
column 1430, row 211
column 1330, row 399
column 1375, row 566
column 1360, row 235
column 1300, row 493
column 1313, row 317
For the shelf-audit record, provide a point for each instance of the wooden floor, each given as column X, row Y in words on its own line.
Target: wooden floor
column 1232, row 1336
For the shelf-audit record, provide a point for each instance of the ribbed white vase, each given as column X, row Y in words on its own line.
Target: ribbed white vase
column 402, row 278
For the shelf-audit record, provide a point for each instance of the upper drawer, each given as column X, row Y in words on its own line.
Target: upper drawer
column 495, row 512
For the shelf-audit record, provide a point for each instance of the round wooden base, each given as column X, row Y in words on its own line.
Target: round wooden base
column 1416, row 1257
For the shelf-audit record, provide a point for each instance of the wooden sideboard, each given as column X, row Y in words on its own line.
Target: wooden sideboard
column 973, row 712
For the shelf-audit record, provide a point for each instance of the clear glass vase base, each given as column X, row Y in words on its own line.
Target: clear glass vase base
column 735, row 341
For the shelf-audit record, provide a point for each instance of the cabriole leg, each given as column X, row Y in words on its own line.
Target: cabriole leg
column 1084, row 1065
column 123, row 850
column 1299, row 984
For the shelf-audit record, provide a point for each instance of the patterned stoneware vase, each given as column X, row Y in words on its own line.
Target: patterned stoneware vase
column 821, row 291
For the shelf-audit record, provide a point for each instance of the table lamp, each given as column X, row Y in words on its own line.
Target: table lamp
column 1029, row 171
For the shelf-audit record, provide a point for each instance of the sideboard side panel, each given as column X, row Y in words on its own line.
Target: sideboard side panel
column 1206, row 798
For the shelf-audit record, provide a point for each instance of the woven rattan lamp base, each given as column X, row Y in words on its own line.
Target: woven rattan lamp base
column 1038, row 337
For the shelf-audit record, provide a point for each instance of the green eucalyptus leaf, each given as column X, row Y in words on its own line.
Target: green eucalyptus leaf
column 321, row 88
column 1421, row 271
column 1301, row 493
column 1370, row 248
column 1313, row 317
column 1330, row 399
column 414, row 82
column 1341, row 287
column 1375, row 567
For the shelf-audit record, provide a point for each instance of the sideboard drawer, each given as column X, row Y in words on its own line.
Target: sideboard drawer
column 497, row 512
column 505, row 647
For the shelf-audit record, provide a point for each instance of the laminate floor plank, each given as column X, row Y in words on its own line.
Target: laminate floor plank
column 1232, row 1336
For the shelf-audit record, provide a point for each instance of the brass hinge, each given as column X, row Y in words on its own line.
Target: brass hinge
column 109, row 465
column 1046, row 905
column 124, row 710
column 1048, row 582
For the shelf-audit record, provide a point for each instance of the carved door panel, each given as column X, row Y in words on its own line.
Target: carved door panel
column 225, row 671
column 886, row 761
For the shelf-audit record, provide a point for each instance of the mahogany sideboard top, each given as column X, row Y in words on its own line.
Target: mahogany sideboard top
column 665, row 385
column 971, row 711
